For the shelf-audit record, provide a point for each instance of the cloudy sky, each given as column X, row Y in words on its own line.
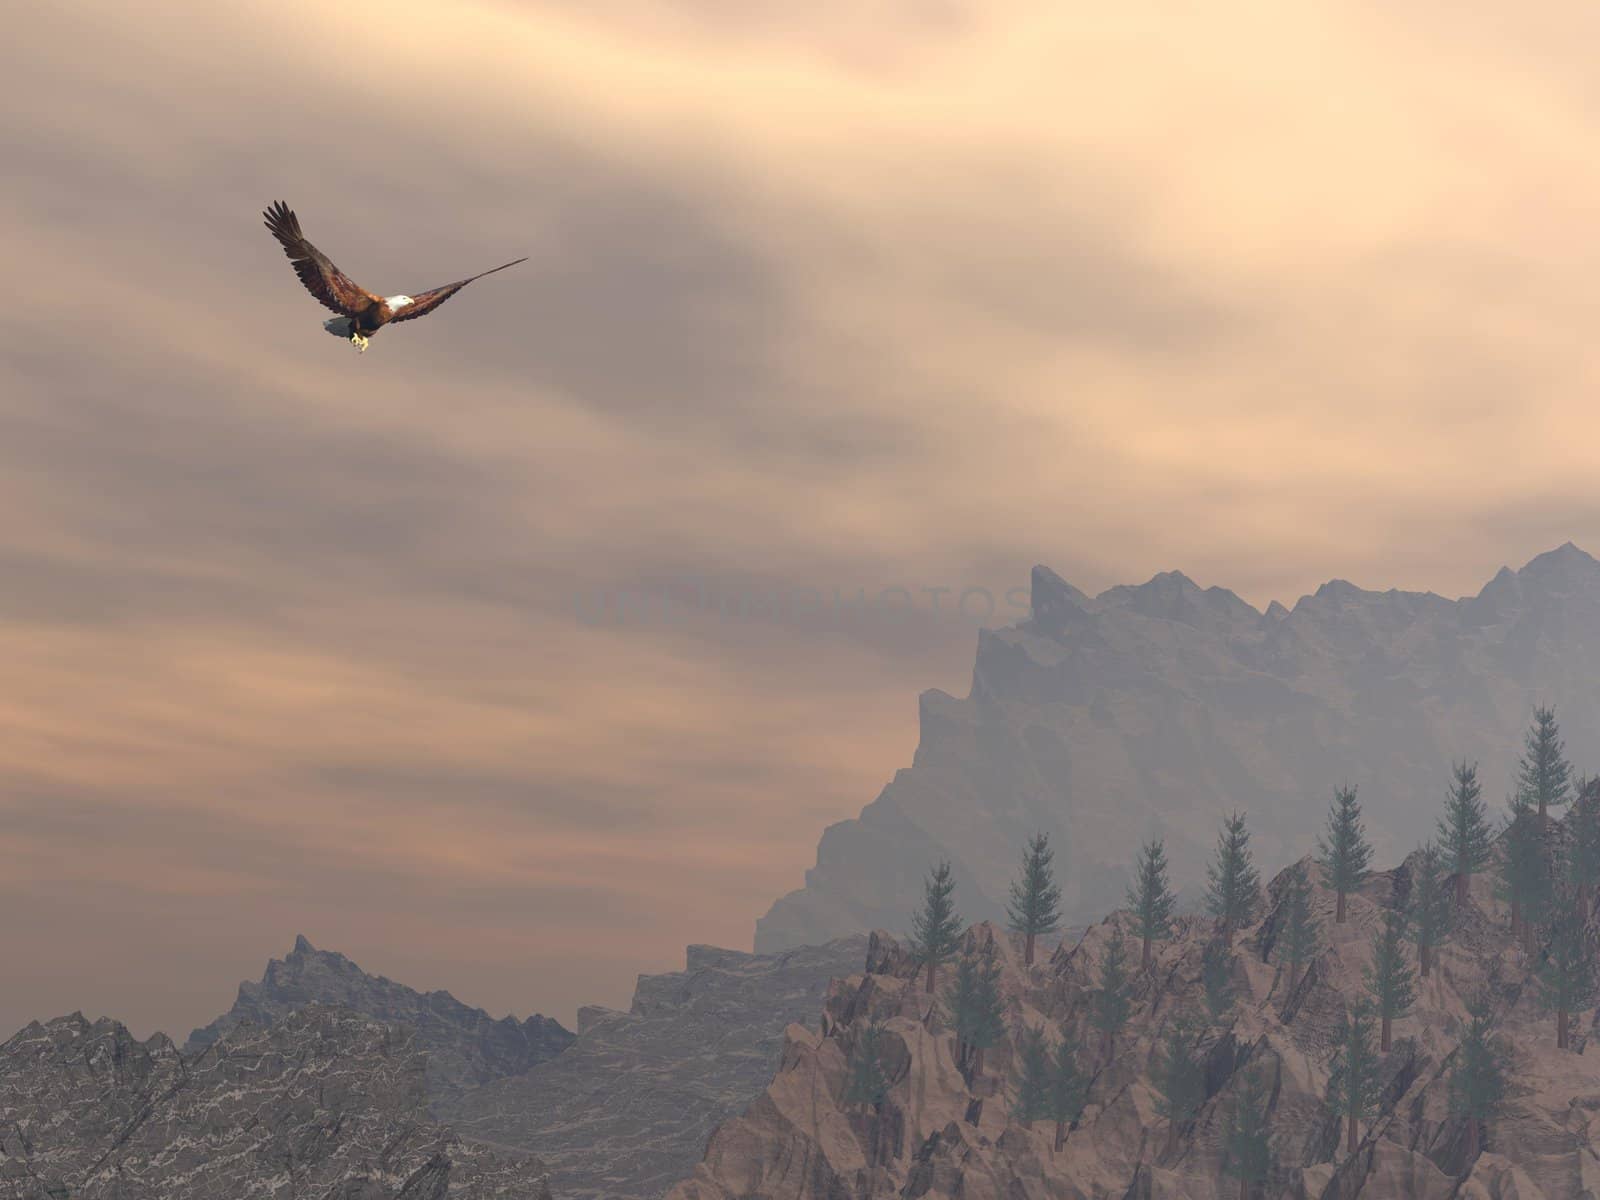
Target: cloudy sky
column 531, row 646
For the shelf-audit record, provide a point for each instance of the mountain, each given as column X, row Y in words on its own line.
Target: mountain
column 625, row 1111
column 465, row 1046
column 324, row 1103
column 1159, row 708
column 937, row 1135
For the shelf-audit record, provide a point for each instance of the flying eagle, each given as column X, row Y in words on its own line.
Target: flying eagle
column 361, row 313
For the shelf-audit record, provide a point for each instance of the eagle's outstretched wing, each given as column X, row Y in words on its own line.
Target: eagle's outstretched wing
column 424, row 303
column 322, row 279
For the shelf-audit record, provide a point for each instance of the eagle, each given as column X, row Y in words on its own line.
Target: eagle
column 361, row 313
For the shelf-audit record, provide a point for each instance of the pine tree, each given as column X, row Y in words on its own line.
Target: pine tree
column 1464, row 830
column 1069, row 1089
column 1033, row 1085
column 989, row 1026
column 1344, row 852
column 1112, row 1003
column 1235, row 888
column 1582, row 865
column 1151, row 898
column 1567, row 978
column 1216, row 978
column 1178, row 1075
column 1246, row 1153
column 977, row 1011
column 869, row 1082
column 935, row 927
column 1428, row 905
column 1524, row 872
column 1477, row 1084
column 962, row 998
column 1390, row 979
column 1545, row 775
column 1299, row 942
column 1035, row 907
column 1353, row 1088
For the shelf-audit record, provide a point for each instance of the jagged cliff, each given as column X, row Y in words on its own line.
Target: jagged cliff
column 324, row 1103
column 624, row 1112
column 936, row 1135
column 465, row 1046
column 1159, row 707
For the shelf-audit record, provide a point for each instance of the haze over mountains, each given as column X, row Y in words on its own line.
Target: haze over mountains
column 1158, row 708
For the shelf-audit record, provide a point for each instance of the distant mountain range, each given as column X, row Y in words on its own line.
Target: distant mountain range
column 1159, row 708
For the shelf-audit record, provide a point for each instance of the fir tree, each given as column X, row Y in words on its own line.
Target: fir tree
column 1216, row 978
column 962, row 998
column 935, row 927
column 1566, row 980
column 1582, row 864
column 1545, row 774
column 1390, row 979
column 977, row 1011
column 1477, row 1084
column 1235, row 888
column 1069, row 1089
column 1246, row 1153
column 869, row 1082
column 1299, row 941
column 1035, row 907
column 1428, row 905
column 1464, row 830
column 1112, row 1003
column 1344, row 852
column 1151, row 898
column 1524, row 873
column 1179, row 1076
column 1033, row 1085
column 1353, row 1088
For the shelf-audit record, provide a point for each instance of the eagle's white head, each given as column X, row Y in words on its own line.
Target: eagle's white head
column 397, row 301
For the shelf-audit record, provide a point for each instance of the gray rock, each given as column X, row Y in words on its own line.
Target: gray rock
column 626, row 1110
column 324, row 1103
column 1158, row 708
column 466, row 1046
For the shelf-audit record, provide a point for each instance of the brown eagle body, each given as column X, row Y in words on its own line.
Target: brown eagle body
column 361, row 313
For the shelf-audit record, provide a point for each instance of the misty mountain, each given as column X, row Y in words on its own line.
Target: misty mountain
column 1160, row 707
column 464, row 1046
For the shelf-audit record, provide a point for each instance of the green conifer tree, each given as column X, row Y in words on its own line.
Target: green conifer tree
column 1035, row 907
column 1112, row 1001
column 1464, row 829
column 1567, row 977
column 1235, row 888
column 868, row 1082
column 1353, row 1087
column 1429, row 905
column 1216, row 979
column 1033, row 1083
column 977, row 1011
column 1390, row 979
column 1582, row 864
column 1344, row 851
column 1545, row 774
column 1069, row 1089
column 1247, row 1156
column 1525, row 876
column 1477, row 1082
column 1300, row 941
column 1178, row 1075
column 962, row 998
column 935, row 927
column 1151, row 898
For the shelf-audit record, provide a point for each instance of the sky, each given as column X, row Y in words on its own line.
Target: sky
column 545, row 638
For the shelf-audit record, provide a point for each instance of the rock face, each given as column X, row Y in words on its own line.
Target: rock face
column 937, row 1135
column 323, row 1104
column 625, row 1111
column 466, row 1047
column 1160, row 707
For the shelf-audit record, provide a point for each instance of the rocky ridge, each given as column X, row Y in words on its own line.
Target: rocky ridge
column 323, row 1103
column 937, row 1136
